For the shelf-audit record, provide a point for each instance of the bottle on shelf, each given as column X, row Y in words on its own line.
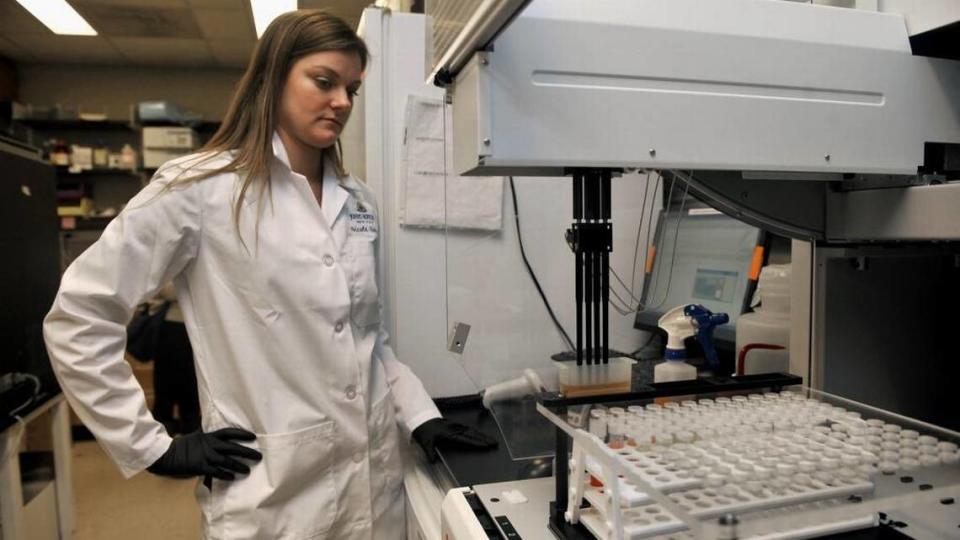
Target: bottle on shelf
column 128, row 157
column 100, row 153
column 60, row 153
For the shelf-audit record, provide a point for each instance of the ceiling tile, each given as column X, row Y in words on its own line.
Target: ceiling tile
column 164, row 51
column 70, row 49
column 232, row 24
column 141, row 21
column 348, row 10
column 134, row 3
column 220, row 4
column 16, row 20
column 229, row 52
column 15, row 52
column 333, row 5
column 150, row 32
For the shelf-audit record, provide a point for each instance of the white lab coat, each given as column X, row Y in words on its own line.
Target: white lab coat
column 286, row 332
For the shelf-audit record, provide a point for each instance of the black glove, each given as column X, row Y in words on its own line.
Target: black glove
column 207, row 454
column 440, row 432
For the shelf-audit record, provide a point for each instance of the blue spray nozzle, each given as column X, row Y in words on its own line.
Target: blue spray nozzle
column 706, row 321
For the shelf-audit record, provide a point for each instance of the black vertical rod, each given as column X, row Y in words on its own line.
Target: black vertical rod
column 579, row 287
column 597, row 344
column 577, row 196
column 591, row 212
column 605, row 287
column 588, row 300
column 587, row 275
column 590, row 197
column 605, row 212
column 578, row 251
column 605, row 195
column 561, row 467
column 579, row 294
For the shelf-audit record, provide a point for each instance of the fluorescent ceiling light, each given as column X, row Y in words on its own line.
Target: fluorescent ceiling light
column 59, row 16
column 265, row 11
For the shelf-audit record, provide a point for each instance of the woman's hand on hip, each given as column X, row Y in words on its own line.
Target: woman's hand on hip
column 207, row 454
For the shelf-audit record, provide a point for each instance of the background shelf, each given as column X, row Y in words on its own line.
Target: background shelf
column 77, row 124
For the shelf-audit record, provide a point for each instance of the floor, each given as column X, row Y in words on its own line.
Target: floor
column 146, row 507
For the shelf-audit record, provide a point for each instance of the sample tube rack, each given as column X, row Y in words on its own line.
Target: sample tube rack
column 786, row 464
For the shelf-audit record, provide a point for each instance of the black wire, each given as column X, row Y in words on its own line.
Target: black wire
column 643, row 212
column 533, row 276
column 653, row 336
column 676, row 235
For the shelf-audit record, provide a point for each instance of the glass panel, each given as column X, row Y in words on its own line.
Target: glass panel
column 527, row 432
column 706, row 258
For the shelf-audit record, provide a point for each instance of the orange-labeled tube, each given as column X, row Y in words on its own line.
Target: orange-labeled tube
column 756, row 264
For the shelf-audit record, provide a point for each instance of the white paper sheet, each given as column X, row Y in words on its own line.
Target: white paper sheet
column 428, row 198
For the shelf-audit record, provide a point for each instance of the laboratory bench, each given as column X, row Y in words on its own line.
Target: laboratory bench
column 36, row 489
column 510, row 492
column 472, row 467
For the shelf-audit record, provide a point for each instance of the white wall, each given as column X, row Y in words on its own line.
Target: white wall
column 433, row 279
column 489, row 288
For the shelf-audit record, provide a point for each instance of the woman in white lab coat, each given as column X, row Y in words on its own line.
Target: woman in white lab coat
column 272, row 249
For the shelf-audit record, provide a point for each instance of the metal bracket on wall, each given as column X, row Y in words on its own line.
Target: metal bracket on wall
column 457, row 340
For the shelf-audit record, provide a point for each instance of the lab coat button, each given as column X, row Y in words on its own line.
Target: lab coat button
column 328, row 260
column 358, row 457
column 350, row 392
column 338, row 327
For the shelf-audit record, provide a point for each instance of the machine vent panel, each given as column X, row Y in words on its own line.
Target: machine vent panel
column 448, row 18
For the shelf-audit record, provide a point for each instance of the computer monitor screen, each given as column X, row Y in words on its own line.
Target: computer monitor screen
column 701, row 257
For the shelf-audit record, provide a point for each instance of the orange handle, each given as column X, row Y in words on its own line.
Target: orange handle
column 756, row 264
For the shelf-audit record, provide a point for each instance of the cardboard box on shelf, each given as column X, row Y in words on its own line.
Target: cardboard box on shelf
column 153, row 158
column 183, row 138
column 161, row 144
column 81, row 158
column 82, row 208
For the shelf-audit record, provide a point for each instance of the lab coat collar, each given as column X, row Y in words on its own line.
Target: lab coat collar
column 280, row 151
column 335, row 190
column 334, row 194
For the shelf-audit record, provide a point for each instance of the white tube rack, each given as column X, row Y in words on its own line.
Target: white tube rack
column 786, row 465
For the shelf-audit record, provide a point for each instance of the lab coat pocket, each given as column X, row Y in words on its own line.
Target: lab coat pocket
column 364, row 293
column 386, row 467
column 290, row 494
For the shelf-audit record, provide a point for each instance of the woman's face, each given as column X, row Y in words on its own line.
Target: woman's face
column 318, row 97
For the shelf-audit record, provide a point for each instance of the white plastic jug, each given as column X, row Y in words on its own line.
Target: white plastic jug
column 763, row 337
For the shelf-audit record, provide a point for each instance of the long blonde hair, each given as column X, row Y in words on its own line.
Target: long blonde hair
column 251, row 118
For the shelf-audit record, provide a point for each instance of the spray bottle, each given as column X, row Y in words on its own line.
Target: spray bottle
column 680, row 323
